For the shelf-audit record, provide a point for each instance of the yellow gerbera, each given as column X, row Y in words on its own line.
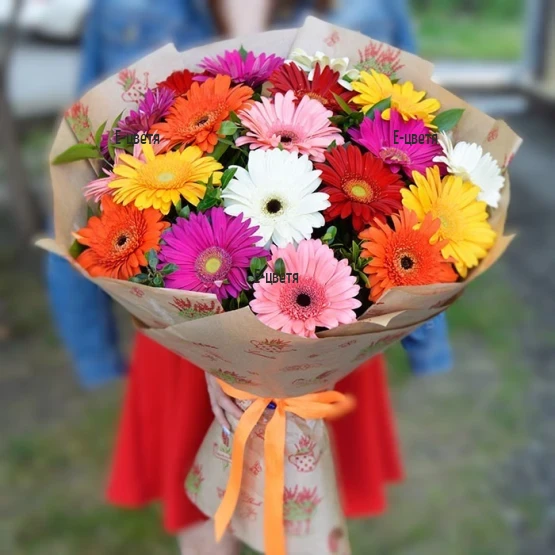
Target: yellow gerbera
column 463, row 218
column 161, row 180
column 375, row 87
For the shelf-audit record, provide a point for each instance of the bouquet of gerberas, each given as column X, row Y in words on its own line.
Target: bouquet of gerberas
column 277, row 218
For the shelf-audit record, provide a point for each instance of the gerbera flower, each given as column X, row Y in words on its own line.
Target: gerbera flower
column 360, row 186
column 212, row 251
column 392, row 141
column 251, row 70
column 469, row 162
column 179, row 82
column 323, row 296
column 161, row 180
column 303, row 128
column 308, row 63
column 405, row 255
column 374, row 87
column 463, row 218
column 324, row 84
column 197, row 118
column 152, row 108
column 277, row 191
column 118, row 239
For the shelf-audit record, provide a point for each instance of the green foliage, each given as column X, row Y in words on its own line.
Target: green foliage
column 380, row 106
column 80, row 151
column 329, row 236
column 76, row 249
column 227, row 176
column 279, row 267
column 212, row 197
column 152, row 276
column 448, row 119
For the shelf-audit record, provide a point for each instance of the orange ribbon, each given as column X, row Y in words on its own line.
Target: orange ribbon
column 327, row 404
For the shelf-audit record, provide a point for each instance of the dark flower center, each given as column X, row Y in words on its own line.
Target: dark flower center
column 407, row 262
column 303, row 300
column 122, row 239
column 203, row 120
column 273, row 206
column 285, row 139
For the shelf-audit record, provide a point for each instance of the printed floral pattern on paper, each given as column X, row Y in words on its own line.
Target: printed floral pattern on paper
column 133, row 87
column 255, row 468
column 77, row 117
column 332, row 39
column 198, row 309
column 230, row 377
column 135, row 291
column 267, row 347
column 338, row 541
column 194, row 481
column 307, row 455
column 381, row 58
column 299, row 367
column 222, row 451
column 299, row 508
column 320, row 378
column 367, row 351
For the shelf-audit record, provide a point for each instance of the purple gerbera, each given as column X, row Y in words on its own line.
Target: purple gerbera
column 151, row 109
column 250, row 70
column 212, row 252
column 406, row 145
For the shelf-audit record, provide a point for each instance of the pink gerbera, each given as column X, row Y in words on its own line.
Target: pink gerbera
column 397, row 142
column 303, row 128
column 212, row 252
column 322, row 296
column 250, row 70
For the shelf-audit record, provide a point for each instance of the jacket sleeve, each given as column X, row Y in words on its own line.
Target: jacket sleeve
column 428, row 348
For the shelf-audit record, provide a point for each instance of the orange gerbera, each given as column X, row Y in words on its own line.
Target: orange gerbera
column 118, row 239
column 404, row 255
column 197, row 117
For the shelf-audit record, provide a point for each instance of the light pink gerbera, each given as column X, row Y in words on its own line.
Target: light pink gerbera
column 402, row 145
column 97, row 188
column 302, row 127
column 323, row 294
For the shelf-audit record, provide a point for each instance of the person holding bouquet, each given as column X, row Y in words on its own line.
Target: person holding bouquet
column 169, row 405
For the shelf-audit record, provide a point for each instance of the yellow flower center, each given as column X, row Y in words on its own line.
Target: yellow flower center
column 358, row 190
column 212, row 265
column 164, row 177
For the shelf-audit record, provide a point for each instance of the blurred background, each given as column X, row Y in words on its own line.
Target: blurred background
column 478, row 442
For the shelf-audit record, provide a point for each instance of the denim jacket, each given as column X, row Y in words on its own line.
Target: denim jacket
column 119, row 32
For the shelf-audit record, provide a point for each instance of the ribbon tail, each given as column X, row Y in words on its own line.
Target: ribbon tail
column 274, row 460
column 225, row 511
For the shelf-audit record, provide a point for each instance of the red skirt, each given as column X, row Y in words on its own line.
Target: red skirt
column 167, row 413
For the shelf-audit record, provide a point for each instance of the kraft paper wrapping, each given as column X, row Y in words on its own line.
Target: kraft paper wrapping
column 235, row 346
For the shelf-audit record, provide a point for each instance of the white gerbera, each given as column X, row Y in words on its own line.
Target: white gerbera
column 308, row 63
column 468, row 161
column 277, row 192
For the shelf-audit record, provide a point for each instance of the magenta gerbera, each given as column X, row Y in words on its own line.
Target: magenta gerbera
column 250, row 70
column 212, row 252
column 302, row 127
column 323, row 295
column 151, row 109
column 403, row 145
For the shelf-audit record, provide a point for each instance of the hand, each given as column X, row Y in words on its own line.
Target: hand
column 221, row 403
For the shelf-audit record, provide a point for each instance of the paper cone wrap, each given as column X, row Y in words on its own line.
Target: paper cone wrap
column 235, row 346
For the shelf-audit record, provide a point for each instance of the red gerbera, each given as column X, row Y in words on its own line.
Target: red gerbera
column 289, row 77
column 179, row 82
column 359, row 185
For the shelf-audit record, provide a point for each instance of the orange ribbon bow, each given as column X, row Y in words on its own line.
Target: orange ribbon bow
column 327, row 404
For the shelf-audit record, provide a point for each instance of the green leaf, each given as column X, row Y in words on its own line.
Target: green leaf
column 448, row 119
column 234, row 118
column 80, row 151
column 227, row 128
column 344, row 106
column 98, row 135
column 242, row 52
column 227, row 176
column 185, row 212
column 355, row 250
column 364, row 278
column 332, row 145
column 221, row 147
column 381, row 106
column 76, row 249
column 257, row 265
column 242, row 300
column 152, row 259
column 139, row 278
column 158, row 281
column 330, row 234
column 206, row 203
column 178, row 206
column 279, row 267
column 168, row 269
column 116, row 121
